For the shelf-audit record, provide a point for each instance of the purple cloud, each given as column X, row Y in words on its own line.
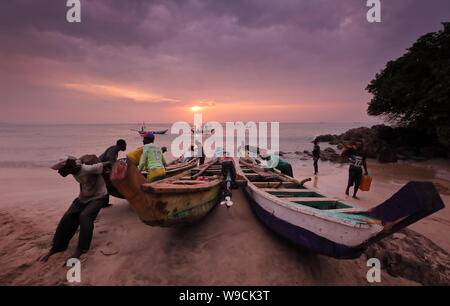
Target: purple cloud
column 262, row 51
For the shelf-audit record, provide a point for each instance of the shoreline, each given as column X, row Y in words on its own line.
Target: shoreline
column 228, row 247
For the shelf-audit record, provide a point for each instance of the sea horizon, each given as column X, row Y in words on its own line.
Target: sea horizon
column 168, row 123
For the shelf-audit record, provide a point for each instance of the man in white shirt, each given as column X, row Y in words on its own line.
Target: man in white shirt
column 188, row 155
column 84, row 209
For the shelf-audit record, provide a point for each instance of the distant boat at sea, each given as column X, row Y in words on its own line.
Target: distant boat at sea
column 206, row 130
column 144, row 130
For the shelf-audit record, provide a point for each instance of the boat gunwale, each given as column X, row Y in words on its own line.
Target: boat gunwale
column 299, row 208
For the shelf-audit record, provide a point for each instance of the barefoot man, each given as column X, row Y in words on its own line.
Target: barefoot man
column 357, row 160
column 84, row 209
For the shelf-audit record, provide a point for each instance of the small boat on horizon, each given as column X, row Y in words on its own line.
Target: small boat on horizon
column 144, row 130
column 206, row 130
column 326, row 225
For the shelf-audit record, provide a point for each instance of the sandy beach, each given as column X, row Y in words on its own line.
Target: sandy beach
column 229, row 247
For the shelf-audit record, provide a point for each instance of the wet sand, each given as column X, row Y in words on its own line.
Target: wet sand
column 229, row 247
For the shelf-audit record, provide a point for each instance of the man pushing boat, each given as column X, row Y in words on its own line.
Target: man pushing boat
column 84, row 209
column 111, row 154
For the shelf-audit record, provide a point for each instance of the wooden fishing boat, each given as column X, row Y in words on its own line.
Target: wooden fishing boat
column 153, row 132
column 179, row 200
column 171, row 170
column 144, row 130
column 327, row 225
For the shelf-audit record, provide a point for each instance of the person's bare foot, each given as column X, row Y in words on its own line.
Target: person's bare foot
column 47, row 256
column 77, row 253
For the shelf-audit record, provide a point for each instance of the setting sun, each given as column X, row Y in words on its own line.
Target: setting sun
column 195, row 108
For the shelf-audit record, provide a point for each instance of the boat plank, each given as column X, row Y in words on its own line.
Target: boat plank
column 274, row 184
column 285, row 190
column 308, row 199
column 349, row 210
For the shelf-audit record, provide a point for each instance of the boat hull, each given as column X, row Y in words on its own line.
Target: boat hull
column 302, row 237
column 170, row 171
column 153, row 132
column 166, row 209
column 327, row 226
column 177, row 210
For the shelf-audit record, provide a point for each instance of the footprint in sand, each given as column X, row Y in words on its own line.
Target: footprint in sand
column 109, row 249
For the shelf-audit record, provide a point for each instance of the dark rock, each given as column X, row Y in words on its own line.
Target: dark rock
column 335, row 141
column 433, row 152
column 402, row 157
column 358, row 134
column 325, row 138
column 417, row 158
column 307, row 153
column 387, row 155
column 412, row 256
column 331, row 155
column 388, row 144
column 384, row 132
column 405, row 152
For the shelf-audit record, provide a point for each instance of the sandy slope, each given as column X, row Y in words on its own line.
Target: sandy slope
column 229, row 247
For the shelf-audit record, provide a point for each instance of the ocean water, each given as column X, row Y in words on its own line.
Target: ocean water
column 31, row 146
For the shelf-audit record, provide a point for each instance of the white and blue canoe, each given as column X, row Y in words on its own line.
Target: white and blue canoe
column 326, row 225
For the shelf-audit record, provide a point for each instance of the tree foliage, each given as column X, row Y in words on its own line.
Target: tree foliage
column 414, row 90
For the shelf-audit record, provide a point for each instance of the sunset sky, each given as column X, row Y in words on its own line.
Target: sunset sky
column 261, row 60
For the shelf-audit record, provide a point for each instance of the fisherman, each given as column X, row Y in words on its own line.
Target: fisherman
column 152, row 159
column 189, row 155
column 135, row 155
column 316, row 156
column 84, row 209
column 200, row 152
column 274, row 161
column 357, row 160
column 111, row 154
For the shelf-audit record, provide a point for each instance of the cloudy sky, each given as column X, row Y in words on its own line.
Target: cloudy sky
column 262, row 60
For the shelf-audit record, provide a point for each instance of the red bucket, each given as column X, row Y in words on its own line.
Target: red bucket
column 366, row 181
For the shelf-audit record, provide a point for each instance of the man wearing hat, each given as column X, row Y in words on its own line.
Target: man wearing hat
column 274, row 161
column 135, row 155
column 152, row 159
column 84, row 209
